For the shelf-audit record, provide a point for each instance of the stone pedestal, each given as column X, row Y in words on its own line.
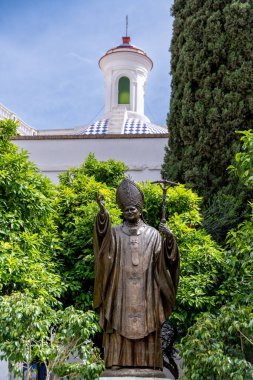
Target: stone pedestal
column 144, row 373
column 130, row 378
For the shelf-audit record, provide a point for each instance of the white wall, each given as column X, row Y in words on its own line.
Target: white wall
column 4, row 373
column 56, row 154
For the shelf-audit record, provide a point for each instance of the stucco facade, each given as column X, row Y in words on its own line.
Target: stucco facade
column 143, row 155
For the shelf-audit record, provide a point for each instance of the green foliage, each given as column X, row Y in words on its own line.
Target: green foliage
column 243, row 166
column 238, row 285
column 212, row 86
column 76, row 210
column 179, row 201
column 31, row 323
column 109, row 172
column 226, row 210
column 73, row 333
column 30, row 329
column 201, row 258
column 27, row 264
column 27, row 232
column 46, row 236
column 201, row 273
column 8, row 129
column 220, row 344
column 221, row 213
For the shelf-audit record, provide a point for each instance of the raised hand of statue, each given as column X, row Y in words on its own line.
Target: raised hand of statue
column 101, row 202
column 165, row 230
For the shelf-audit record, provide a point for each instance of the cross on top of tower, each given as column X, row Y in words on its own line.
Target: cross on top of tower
column 126, row 39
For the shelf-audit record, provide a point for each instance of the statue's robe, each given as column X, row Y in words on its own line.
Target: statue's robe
column 136, row 278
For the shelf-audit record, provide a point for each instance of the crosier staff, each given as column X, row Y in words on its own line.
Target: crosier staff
column 164, row 184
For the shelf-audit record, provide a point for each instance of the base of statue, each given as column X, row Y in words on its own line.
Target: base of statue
column 133, row 372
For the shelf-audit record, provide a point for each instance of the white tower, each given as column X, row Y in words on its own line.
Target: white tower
column 125, row 69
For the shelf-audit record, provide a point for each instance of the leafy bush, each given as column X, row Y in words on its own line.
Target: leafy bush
column 220, row 344
column 110, row 172
column 32, row 323
column 76, row 210
column 243, row 166
column 46, row 252
column 179, row 201
column 28, row 234
column 201, row 257
column 61, row 339
column 201, row 273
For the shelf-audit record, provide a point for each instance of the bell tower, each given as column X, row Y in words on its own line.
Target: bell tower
column 125, row 69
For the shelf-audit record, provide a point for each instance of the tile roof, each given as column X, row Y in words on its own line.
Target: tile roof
column 100, row 127
column 132, row 126
column 136, row 126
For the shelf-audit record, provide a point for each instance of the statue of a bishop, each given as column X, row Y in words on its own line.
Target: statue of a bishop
column 136, row 279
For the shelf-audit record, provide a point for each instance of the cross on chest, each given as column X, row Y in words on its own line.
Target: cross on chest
column 134, row 248
column 134, row 240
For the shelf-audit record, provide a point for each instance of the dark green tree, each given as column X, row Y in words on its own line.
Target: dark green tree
column 212, row 95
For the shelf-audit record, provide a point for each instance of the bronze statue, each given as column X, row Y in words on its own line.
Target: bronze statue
column 136, row 278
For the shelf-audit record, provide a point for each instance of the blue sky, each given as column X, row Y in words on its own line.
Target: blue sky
column 49, row 74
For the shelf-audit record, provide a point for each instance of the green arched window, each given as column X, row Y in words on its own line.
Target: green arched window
column 124, row 91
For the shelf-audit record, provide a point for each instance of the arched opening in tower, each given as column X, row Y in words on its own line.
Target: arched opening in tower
column 124, row 90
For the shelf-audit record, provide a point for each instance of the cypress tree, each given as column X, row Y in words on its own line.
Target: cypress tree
column 212, row 91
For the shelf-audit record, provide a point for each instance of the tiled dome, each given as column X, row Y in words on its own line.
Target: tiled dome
column 137, row 127
column 132, row 126
column 100, row 127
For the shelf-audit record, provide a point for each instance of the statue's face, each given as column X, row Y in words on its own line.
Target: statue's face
column 131, row 214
